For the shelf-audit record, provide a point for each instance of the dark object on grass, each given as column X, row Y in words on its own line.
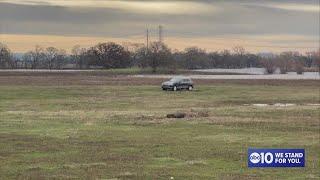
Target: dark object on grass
column 176, row 115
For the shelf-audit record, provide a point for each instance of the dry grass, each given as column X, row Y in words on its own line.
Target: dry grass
column 121, row 132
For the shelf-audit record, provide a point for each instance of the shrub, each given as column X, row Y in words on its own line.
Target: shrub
column 269, row 64
column 299, row 67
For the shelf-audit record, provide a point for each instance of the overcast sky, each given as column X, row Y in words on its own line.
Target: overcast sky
column 258, row 25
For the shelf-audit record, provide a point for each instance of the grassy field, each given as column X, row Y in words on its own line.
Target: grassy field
column 121, row 132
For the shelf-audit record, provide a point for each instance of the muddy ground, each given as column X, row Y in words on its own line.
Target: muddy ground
column 80, row 78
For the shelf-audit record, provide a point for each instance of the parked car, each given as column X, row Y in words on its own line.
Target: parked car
column 178, row 83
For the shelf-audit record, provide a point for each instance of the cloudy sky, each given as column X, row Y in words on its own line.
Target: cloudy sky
column 257, row 25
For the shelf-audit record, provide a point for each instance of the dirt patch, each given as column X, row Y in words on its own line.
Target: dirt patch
column 198, row 113
column 191, row 114
column 58, row 80
column 280, row 105
column 275, row 105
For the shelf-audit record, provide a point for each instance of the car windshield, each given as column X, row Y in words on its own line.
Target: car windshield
column 175, row 79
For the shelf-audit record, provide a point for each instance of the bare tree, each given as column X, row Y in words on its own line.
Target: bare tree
column 61, row 58
column 51, row 55
column 159, row 55
column 134, row 50
column 239, row 57
column 35, row 57
column 269, row 64
column 317, row 59
column 6, row 60
column 141, row 57
column 286, row 61
column 27, row 60
column 239, row 50
column 78, row 56
column 283, row 64
column 196, row 58
column 110, row 55
column 299, row 67
column 315, row 56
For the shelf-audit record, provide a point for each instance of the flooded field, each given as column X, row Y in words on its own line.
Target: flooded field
column 289, row 76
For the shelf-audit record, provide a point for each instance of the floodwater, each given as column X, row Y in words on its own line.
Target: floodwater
column 247, row 73
column 289, row 76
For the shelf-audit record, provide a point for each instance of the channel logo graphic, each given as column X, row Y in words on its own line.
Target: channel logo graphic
column 276, row 158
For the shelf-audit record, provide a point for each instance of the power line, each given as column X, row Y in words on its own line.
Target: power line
column 245, row 44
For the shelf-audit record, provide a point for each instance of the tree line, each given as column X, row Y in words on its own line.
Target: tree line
column 157, row 55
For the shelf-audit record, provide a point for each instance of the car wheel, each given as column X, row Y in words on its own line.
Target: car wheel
column 175, row 88
column 190, row 88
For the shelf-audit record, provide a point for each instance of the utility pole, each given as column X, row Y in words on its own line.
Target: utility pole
column 160, row 33
column 147, row 39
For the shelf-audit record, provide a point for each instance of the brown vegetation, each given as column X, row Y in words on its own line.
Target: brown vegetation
column 96, row 78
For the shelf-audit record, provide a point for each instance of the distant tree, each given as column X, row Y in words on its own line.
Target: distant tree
column 252, row 60
column 133, row 49
column 299, row 67
column 283, row 64
column 286, row 61
column 141, row 57
column 34, row 58
column 75, row 54
column 315, row 56
column 226, row 59
column 269, row 64
column 215, row 59
column 159, row 55
column 239, row 50
column 27, row 60
column 48, row 58
column 309, row 59
column 6, row 60
column 317, row 59
column 110, row 55
column 177, row 60
column 79, row 56
column 61, row 59
column 51, row 55
column 196, row 58
column 239, row 57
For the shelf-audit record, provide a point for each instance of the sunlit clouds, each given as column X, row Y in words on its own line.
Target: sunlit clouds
column 274, row 43
column 312, row 8
column 164, row 7
column 257, row 25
